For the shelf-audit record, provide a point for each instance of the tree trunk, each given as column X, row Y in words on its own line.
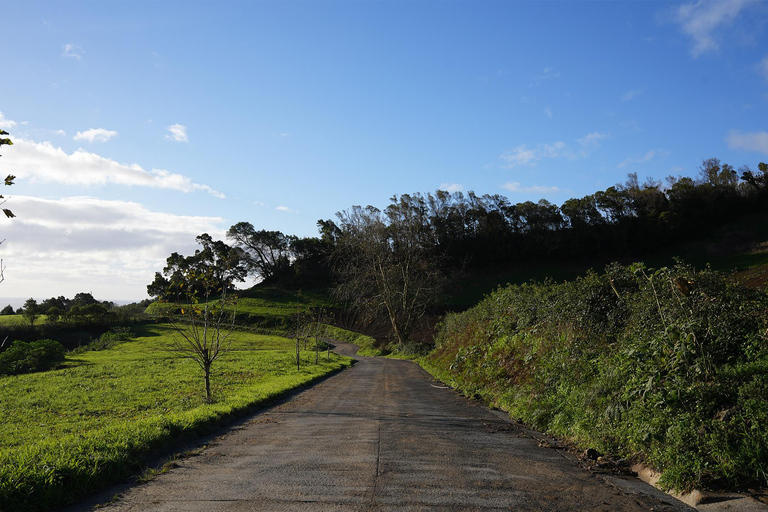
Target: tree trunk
column 208, row 383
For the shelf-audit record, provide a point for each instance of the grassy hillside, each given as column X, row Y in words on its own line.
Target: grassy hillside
column 75, row 430
column 270, row 307
column 669, row 367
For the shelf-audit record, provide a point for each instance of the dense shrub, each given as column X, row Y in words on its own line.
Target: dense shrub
column 109, row 339
column 28, row 357
column 669, row 366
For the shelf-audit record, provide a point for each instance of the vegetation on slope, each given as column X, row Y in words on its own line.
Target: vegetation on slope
column 73, row 431
column 666, row 366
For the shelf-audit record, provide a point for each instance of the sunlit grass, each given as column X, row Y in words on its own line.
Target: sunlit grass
column 20, row 320
column 72, row 431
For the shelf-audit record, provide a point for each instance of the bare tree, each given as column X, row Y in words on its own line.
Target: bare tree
column 385, row 263
column 203, row 327
column 202, row 288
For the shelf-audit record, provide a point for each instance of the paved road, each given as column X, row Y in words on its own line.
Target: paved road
column 384, row 436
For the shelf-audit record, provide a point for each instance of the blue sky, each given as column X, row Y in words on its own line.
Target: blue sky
column 138, row 125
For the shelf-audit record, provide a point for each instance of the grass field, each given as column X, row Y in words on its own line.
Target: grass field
column 72, row 431
column 19, row 320
column 265, row 306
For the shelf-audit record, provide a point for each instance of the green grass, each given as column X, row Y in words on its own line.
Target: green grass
column 366, row 344
column 76, row 430
column 20, row 320
column 267, row 306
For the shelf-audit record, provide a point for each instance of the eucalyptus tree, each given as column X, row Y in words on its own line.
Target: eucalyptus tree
column 267, row 253
column 386, row 264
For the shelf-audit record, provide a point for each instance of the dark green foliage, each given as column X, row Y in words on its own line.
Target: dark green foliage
column 182, row 276
column 109, row 339
column 27, row 357
column 668, row 366
column 7, row 310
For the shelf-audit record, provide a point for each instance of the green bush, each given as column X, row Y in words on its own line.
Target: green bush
column 27, row 357
column 667, row 366
column 109, row 339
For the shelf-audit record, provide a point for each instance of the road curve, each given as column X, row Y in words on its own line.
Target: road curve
column 383, row 435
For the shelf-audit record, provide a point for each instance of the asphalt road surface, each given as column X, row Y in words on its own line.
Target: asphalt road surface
column 383, row 435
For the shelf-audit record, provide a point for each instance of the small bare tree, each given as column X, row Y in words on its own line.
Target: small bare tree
column 201, row 286
column 203, row 327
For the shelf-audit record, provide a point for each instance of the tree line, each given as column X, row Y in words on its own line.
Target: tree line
column 396, row 262
column 83, row 308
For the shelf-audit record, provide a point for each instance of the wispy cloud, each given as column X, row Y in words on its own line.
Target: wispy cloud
column 451, row 187
column 754, row 141
column 61, row 132
column 286, row 209
column 630, row 95
column 631, row 125
column 702, row 20
column 523, row 155
column 593, row 138
column 95, row 134
column 118, row 244
column 6, row 124
column 548, row 74
column 72, row 51
column 515, row 186
column 44, row 162
column 548, row 112
column 178, row 132
column 650, row 155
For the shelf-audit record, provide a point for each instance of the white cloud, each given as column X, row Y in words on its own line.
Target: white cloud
column 44, row 162
column 650, row 155
column 548, row 112
column 95, row 134
column 514, row 186
column 451, row 187
column 178, row 133
column 286, row 209
column 6, row 124
column 755, row 141
column 110, row 248
column 592, row 138
column 523, row 155
column 630, row 95
column 61, row 132
column 73, row 51
column 703, row 19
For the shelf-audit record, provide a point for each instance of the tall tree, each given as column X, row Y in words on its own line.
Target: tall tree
column 268, row 253
column 31, row 311
column 384, row 263
column 216, row 260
